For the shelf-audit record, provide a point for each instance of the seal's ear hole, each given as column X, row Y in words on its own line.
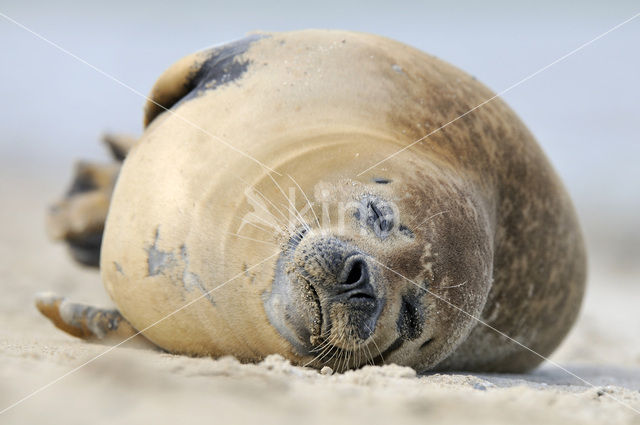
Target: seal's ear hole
column 206, row 70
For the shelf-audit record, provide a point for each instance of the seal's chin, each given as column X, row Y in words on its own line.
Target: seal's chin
column 326, row 295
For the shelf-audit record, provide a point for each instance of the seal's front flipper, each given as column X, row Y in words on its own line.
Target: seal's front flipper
column 87, row 322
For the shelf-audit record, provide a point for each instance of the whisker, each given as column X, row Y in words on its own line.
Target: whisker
column 321, row 346
column 250, row 239
column 430, row 217
column 278, row 210
column 295, row 210
column 284, row 222
column 326, row 348
column 333, row 352
column 352, row 354
column 308, row 202
column 285, row 219
column 275, row 226
column 325, row 351
column 370, row 355
column 374, row 342
column 264, row 229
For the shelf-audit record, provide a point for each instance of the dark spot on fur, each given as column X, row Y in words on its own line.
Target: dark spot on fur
column 222, row 67
column 381, row 180
column 411, row 318
column 191, row 280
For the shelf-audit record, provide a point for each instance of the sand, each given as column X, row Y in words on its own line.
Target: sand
column 132, row 385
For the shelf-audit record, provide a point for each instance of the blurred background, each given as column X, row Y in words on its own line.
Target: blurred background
column 585, row 110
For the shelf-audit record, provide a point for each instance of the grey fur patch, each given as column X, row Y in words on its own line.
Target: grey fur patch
column 157, row 260
column 191, row 280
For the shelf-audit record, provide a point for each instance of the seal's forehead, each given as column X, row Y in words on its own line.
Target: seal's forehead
column 348, row 189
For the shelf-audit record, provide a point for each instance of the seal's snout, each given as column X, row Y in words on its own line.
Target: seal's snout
column 336, row 269
column 325, row 289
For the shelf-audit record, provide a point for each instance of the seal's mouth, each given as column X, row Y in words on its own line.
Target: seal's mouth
column 295, row 240
column 316, row 328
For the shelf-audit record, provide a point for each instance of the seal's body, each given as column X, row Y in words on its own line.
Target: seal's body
column 253, row 201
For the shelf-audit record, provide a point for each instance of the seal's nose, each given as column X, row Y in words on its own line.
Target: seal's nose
column 353, row 280
column 337, row 270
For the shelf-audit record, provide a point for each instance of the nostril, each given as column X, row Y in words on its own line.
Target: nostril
column 355, row 272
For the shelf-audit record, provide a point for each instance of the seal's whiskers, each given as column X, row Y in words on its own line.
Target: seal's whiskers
column 295, row 210
column 278, row 224
column 264, row 229
column 324, row 348
column 250, row 239
column 374, row 343
column 305, row 197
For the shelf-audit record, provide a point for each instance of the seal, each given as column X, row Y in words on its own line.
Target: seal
column 272, row 206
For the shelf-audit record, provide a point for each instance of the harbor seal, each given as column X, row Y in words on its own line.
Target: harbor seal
column 271, row 206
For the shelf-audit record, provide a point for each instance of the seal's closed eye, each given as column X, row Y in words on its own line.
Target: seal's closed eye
column 379, row 216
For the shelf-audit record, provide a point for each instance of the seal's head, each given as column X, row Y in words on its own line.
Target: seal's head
column 358, row 288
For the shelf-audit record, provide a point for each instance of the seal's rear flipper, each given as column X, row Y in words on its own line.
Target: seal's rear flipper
column 79, row 217
column 87, row 322
column 119, row 144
